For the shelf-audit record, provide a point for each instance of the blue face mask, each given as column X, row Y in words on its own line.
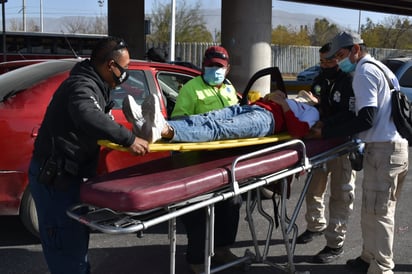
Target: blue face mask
column 214, row 76
column 345, row 65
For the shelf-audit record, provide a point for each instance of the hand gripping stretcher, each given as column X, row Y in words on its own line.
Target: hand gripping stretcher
column 136, row 198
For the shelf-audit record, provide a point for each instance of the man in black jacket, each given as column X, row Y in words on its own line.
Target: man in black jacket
column 66, row 151
column 337, row 103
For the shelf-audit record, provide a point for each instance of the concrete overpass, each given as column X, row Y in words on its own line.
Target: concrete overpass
column 246, row 29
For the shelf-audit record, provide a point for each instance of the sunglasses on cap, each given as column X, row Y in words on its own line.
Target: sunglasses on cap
column 216, row 54
column 120, row 45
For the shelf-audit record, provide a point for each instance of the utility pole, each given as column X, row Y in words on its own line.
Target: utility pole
column 173, row 30
column 3, row 12
column 41, row 15
column 24, row 15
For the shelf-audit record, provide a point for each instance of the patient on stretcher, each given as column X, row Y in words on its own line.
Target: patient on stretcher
column 270, row 115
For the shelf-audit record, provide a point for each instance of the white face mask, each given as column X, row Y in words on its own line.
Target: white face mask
column 214, row 76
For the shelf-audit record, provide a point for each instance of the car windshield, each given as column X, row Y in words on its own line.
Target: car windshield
column 393, row 65
column 20, row 79
column 406, row 79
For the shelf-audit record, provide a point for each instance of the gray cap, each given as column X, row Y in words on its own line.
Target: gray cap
column 344, row 39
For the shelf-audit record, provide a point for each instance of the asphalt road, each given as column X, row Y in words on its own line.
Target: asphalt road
column 20, row 253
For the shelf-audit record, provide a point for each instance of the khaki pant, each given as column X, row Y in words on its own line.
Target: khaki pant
column 385, row 168
column 342, row 194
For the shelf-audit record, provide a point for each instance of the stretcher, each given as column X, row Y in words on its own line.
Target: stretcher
column 136, row 198
column 213, row 145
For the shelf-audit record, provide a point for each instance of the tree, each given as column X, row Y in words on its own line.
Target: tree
column 75, row 24
column 393, row 32
column 81, row 24
column 318, row 35
column 371, row 33
column 322, row 32
column 282, row 35
column 190, row 24
column 99, row 25
column 15, row 24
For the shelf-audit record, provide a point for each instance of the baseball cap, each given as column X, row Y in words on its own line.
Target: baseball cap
column 216, row 55
column 344, row 39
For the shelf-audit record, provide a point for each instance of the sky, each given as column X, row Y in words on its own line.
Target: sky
column 56, row 8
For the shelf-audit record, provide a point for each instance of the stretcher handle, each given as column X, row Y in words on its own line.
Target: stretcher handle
column 291, row 143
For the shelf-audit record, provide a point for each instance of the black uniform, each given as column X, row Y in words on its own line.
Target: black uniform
column 337, row 101
column 66, row 152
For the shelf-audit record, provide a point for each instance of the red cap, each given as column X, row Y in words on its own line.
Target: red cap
column 216, row 55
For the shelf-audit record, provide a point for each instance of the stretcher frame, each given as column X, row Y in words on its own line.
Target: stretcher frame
column 108, row 221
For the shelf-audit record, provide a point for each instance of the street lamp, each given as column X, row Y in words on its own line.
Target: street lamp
column 101, row 3
column 41, row 16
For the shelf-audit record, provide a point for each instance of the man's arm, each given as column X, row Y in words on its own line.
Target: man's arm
column 295, row 127
column 362, row 122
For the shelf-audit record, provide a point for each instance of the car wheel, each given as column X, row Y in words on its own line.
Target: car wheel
column 28, row 213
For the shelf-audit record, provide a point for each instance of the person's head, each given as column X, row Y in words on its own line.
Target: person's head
column 215, row 65
column 156, row 55
column 348, row 48
column 329, row 66
column 111, row 58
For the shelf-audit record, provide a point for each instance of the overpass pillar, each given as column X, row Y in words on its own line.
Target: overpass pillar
column 246, row 34
column 126, row 20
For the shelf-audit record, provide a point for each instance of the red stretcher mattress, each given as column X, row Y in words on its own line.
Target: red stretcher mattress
column 182, row 176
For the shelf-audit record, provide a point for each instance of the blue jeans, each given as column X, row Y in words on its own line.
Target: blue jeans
column 65, row 242
column 232, row 122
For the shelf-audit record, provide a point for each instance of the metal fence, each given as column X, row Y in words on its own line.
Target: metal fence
column 289, row 59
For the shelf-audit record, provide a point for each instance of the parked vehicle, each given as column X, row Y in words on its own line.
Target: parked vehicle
column 402, row 68
column 308, row 74
column 24, row 95
column 12, row 65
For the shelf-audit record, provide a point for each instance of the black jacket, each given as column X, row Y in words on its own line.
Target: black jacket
column 337, row 102
column 76, row 118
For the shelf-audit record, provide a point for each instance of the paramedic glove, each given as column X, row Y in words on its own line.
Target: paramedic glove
column 139, row 147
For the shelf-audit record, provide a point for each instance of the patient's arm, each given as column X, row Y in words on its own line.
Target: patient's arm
column 278, row 97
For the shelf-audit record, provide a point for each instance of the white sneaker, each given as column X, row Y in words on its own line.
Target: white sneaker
column 154, row 120
column 133, row 113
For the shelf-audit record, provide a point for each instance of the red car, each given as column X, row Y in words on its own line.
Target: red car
column 24, row 96
column 12, row 65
